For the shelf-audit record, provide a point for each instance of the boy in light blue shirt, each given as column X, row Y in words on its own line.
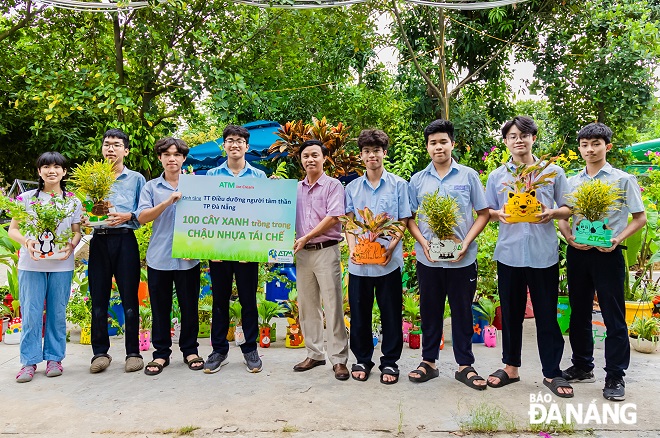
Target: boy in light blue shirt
column 381, row 192
column 439, row 280
column 595, row 268
column 527, row 259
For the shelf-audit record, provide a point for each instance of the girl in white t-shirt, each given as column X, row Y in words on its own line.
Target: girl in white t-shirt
column 42, row 278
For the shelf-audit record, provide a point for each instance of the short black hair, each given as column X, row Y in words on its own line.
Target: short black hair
column 525, row 124
column 164, row 144
column 116, row 133
column 596, row 130
column 236, row 130
column 46, row 159
column 373, row 137
column 439, row 125
column 309, row 143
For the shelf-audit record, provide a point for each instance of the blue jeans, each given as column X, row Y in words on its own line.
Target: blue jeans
column 55, row 289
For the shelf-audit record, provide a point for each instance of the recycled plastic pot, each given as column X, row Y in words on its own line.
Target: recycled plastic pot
column 444, row 250
column 369, row 253
column 639, row 309
column 497, row 322
column 563, row 314
column 522, row 207
column 529, row 309
column 490, row 336
column 406, row 326
column 4, row 325
column 414, row 339
column 46, row 248
column 643, row 345
column 176, row 330
column 374, row 337
column 231, row 331
column 144, row 340
column 264, row 337
column 143, row 293
column 273, row 332
column 294, row 336
column 204, row 330
column 594, row 233
column 239, row 336
column 442, row 342
column 86, row 335
column 478, row 323
column 97, row 213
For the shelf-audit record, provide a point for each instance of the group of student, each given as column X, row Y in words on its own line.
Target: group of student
column 526, row 255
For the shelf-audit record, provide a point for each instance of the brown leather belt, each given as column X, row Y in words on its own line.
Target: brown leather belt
column 320, row 245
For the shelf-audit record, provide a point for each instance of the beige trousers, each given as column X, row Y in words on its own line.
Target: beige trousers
column 318, row 279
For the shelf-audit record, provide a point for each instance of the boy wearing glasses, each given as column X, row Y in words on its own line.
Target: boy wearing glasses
column 527, row 259
column 113, row 251
column 223, row 272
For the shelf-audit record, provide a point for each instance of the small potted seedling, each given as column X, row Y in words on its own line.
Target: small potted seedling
column 441, row 213
column 235, row 315
column 267, row 310
column 204, row 313
column 93, row 181
column 367, row 249
column 411, row 313
column 591, row 203
column 522, row 204
column 145, row 326
column 645, row 334
column 294, row 337
column 486, row 310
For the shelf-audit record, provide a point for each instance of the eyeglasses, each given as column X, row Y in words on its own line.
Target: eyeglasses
column 231, row 141
column 112, row 146
column 514, row 137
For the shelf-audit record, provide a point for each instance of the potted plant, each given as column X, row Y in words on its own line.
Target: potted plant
column 590, row 203
column 204, row 312
column 79, row 312
column 522, row 205
column 368, row 250
column 486, row 309
column 267, row 310
column 93, row 180
column 644, row 334
column 294, row 337
column 563, row 302
column 235, row 312
column 145, row 325
column 43, row 222
column 441, row 214
column 411, row 314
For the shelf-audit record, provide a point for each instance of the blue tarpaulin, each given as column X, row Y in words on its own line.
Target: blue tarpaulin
column 210, row 154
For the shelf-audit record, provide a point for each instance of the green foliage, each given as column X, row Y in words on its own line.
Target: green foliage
column 94, row 179
column 79, row 308
column 205, row 309
column 46, row 215
column 143, row 236
column 235, row 312
column 441, row 213
column 146, row 317
column 486, row 266
column 267, row 310
column 374, row 226
column 593, row 199
column 646, row 328
column 8, row 248
column 528, row 177
column 486, row 308
column 411, row 312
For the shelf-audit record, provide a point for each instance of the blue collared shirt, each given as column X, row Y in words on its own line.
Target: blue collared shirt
column 247, row 172
column 527, row 244
column 630, row 202
column 389, row 196
column 159, row 252
column 125, row 195
column 463, row 184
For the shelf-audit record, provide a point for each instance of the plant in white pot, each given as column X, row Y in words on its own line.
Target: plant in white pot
column 442, row 215
column 645, row 334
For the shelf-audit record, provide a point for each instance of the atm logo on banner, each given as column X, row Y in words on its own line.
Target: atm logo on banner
column 280, row 256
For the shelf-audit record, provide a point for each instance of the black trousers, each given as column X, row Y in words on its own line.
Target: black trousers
column 222, row 277
column 389, row 296
column 435, row 286
column 187, row 292
column 114, row 255
column 589, row 271
column 543, row 284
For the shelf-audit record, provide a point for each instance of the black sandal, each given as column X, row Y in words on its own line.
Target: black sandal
column 504, row 379
column 194, row 361
column 360, row 368
column 556, row 383
column 424, row 376
column 389, row 371
column 461, row 376
column 153, row 364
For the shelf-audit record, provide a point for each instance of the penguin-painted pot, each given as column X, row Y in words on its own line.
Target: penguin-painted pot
column 47, row 249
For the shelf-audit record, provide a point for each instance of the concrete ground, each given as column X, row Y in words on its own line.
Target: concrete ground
column 279, row 402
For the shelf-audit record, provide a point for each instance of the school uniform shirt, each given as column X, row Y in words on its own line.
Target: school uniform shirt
column 527, row 244
column 390, row 196
column 247, row 172
column 26, row 263
column 629, row 202
column 125, row 196
column 159, row 252
column 461, row 183
column 317, row 201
